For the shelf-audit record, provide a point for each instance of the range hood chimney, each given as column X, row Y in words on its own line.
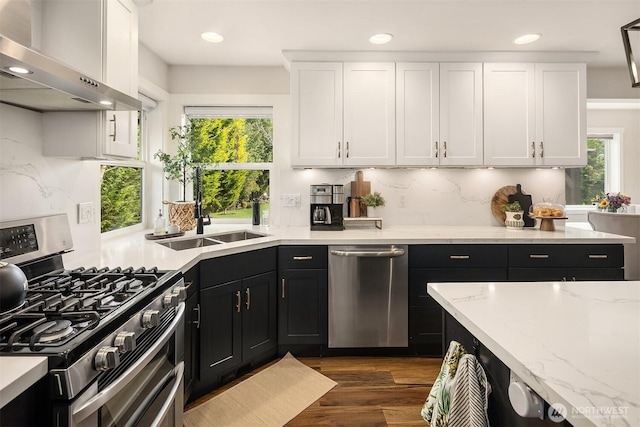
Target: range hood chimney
column 49, row 85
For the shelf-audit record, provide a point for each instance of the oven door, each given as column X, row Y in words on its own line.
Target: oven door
column 147, row 392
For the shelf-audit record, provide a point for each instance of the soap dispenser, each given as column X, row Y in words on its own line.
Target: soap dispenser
column 160, row 224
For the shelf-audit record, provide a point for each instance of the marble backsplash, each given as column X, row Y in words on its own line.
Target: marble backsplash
column 427, row 196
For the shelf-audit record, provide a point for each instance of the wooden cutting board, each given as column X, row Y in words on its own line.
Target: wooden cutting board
column 499, row 199
column 360, row 187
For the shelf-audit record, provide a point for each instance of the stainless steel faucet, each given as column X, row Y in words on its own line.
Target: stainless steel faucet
column 198, row 208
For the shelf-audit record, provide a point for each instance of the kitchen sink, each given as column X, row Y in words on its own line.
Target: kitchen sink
column 210, row 240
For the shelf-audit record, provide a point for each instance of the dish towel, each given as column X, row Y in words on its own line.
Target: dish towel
column 470, row 397
column 435, row 410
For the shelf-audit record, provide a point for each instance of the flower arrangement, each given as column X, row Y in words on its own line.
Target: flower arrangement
column 179, row 167
column 611, row 202
column 373, row 200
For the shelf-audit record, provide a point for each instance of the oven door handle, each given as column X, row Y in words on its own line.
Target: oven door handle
column 176, row 375
column 97, row 401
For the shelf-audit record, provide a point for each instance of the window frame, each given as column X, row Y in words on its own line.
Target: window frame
column 234, row 111
column 613, row 174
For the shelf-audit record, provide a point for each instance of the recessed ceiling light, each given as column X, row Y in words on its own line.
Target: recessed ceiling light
column 212, row 37
column 20, row 70
column 527, row 38
column 381, row 38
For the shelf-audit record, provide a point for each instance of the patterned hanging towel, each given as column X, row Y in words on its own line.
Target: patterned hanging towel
column 470, row 397
column 435, row 410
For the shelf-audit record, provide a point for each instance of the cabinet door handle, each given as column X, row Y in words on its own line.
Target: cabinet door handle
column 445, row 149
column 459, row 257
column 339, row 150
column 282, row 288
column 347, row 154
column 238, row 301
column 197, row 321
column 541, row 148
column 303, row 258
column 598, row 256
column 113, row 120
column 533, row 149
column 436, row 149
column 535, row 256
column 248, row 293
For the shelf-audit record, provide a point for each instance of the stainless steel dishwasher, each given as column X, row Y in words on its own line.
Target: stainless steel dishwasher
column 368, row 296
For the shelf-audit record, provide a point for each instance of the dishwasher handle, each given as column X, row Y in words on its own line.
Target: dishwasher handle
column 372, row 253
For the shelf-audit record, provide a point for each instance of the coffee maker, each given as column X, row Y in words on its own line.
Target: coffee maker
column 327, row 207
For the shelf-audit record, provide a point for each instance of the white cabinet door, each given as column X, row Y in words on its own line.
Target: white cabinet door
column 316, row 114
column 509, row 114
column 417, row 113
column 369, row 114
column 535, row 114
column 561, row 131
column 120, row 61
column 461, row 120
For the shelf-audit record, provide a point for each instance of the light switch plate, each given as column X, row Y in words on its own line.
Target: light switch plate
column 85, row 212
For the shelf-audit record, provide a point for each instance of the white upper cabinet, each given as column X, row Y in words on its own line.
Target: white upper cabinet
column 535, row 114
column 99, row 38
column 439, row 114
column 417, row 113
column 316, row 114
column 369, row 114
column 342, row 114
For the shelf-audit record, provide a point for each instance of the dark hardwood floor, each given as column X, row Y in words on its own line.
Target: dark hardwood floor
column 371, row 391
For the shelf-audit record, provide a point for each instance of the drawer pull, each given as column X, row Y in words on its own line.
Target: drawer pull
column 459, row 257
column 535, row 256
column 598, row 256
column 303, row 258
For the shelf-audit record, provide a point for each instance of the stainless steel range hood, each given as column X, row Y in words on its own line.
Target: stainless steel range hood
column 53, row 86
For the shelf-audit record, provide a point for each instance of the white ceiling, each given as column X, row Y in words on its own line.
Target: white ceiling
column 257, row 31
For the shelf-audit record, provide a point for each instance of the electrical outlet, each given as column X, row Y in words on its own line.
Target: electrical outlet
column 291, row 200
column 85, row 212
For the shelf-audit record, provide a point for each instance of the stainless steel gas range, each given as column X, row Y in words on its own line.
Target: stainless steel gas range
column 113, row 337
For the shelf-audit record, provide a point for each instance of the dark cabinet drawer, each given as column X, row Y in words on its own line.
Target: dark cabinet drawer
column 564, row 274
column 216, row 271
column 294, row 257
column 457, row 256
column 556, row 256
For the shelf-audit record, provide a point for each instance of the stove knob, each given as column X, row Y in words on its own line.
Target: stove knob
column 150, row 319
column 170, row 300
column 107, row 358
column 180, row 292
column 125, row 341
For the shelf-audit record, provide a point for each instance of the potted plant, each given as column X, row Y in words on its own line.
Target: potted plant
column 514, row 216
column 372, row 201
column 180, row 167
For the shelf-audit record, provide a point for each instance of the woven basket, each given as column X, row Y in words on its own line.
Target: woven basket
column 181, row 214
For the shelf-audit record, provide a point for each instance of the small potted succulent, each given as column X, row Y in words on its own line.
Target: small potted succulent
column 372, row 201
column 514, row 216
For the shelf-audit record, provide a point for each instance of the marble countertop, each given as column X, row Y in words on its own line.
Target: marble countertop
column 133, row 249
column 18, row 374
column 574, row 343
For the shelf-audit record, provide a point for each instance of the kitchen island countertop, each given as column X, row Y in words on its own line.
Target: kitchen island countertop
column 18, row 374
column 573, row 343
column 134, row 250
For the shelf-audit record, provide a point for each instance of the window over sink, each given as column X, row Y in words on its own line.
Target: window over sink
column 236, row 150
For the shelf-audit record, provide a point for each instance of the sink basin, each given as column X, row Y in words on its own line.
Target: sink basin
column 212, row 239
column 180, row 245
column 236, row 236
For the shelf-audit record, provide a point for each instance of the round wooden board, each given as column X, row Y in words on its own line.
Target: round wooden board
column 500, row 199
